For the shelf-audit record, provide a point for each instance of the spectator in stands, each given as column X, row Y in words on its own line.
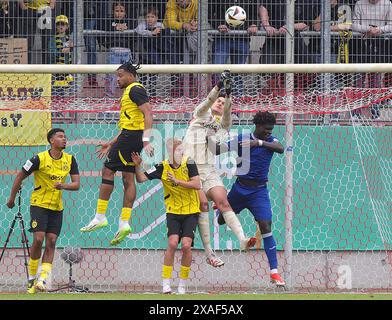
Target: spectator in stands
column 150, row 30
column 37, row 15
column 181, row 27
column 341, row 21
column 372, row 18
column 119, row 44
column 181, row 19
column 227, row 45
column 160, row 6
column 60, row 49
column 273, row 20
column 5, row 20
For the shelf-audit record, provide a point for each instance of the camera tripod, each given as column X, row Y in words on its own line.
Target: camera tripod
column 25, row 243
column 71, row 286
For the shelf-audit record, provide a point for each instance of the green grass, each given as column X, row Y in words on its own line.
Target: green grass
column 129, row 296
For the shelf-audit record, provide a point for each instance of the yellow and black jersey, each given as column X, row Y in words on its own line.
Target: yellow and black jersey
column 131, row 117
column 178, row 200
column 48, row 171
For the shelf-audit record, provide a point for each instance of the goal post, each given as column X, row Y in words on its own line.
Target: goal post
column 330, row 191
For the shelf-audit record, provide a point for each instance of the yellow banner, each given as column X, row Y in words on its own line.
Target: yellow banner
column 25, row 116
column 25, row 91
column 24, row 128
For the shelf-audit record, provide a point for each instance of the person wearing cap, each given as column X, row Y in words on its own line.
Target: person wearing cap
column 60, row 49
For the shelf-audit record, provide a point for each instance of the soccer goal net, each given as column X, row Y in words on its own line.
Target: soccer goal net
column 330, row 191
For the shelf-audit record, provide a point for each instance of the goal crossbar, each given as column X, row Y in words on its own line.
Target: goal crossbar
column 202, row 68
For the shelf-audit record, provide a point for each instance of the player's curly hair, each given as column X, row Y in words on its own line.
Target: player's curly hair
column 262, row 118
column 130, row 67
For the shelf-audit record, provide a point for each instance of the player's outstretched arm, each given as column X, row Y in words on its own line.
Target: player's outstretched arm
column 137, row 160
column 105, row 147
column 15, row 188
column 226, row 117
column 203, row 107
column 146, row 108
column 227, row 81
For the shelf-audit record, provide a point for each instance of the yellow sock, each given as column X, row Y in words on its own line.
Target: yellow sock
column 184, row 272
column 167, row 272
column 126, row 214
column 33, row 267
column 45, row 270
column 102, row 206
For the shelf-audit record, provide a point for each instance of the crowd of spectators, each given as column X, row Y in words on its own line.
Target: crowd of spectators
column 168, row 31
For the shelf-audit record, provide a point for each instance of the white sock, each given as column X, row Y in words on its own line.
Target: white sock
column 32, row 277
column 122, row 224
column 204, row 231
column 274, row 271
column 166, row 282
column 100, row 217
column 182, row 283
column 234, row 224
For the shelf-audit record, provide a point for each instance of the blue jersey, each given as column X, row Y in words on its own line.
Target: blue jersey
column 252, row 163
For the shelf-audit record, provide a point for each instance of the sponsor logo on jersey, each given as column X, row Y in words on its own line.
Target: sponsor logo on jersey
column 27, row 165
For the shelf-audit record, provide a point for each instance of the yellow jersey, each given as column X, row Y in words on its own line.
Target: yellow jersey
column 175, row 16
column 36, row 4
column 177, row 199
column 48, row 171
column 131, row 117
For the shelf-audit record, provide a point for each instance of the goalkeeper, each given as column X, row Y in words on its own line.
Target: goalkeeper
column 213, row 117
column 181, row 181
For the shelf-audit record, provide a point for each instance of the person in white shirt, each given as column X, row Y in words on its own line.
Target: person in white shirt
column 372, row 18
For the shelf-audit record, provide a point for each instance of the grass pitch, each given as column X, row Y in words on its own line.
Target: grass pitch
column 173, row 297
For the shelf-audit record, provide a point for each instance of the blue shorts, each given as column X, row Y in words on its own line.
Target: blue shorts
column 255, row 199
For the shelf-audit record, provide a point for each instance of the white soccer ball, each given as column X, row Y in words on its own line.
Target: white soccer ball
column 235, row 16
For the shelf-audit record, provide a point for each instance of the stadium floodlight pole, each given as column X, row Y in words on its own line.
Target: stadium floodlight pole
column 289, row 127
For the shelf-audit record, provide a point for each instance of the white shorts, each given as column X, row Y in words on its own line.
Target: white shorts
column 209, row 179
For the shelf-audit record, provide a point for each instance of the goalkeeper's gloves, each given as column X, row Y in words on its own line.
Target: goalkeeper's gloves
column 227, row 81
column 225, row 78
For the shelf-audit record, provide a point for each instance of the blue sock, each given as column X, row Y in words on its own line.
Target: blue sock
column 270, row 250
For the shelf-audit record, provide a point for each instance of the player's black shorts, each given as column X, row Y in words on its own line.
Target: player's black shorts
column 184, row 225
column 119, row 157
column 45, row 220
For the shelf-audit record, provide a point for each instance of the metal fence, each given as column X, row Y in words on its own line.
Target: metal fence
column 194, row 31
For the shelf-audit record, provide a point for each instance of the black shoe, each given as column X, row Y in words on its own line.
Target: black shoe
column 221, row 220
